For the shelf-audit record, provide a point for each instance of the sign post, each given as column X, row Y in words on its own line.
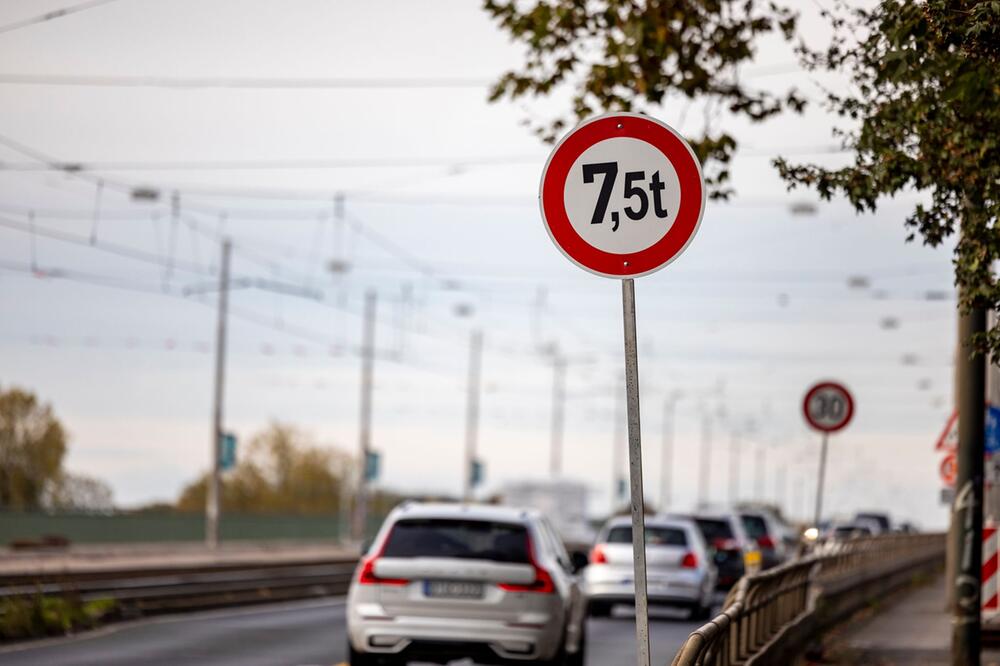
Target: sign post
column 621, row 196
column 827, row 407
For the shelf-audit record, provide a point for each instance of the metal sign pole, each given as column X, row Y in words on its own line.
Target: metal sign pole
column 635, row 473
column 819, row 482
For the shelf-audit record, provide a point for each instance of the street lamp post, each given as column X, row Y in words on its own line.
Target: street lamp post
column 472, row 412
column 734, row 467
column 558, row 412
column 667, row 454
column 705, row 462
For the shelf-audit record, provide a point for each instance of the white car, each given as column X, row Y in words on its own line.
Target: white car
column 448, row 581
column 679, row 569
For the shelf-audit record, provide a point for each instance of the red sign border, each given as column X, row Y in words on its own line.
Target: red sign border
column 949, row 458
column 553, row 182
column 819, row 387
column 940, row 446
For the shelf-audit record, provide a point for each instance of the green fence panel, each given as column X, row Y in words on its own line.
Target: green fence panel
column 165, row 526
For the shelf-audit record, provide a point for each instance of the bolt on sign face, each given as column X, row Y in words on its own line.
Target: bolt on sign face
column 622, row 195
column 828, row 407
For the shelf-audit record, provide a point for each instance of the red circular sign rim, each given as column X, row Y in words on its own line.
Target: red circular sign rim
column 690, row 210
column 837, row 387
column 951, row 461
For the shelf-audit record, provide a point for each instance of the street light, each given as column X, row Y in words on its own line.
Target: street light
column 667, row 453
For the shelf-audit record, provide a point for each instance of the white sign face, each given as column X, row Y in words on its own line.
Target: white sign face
column 622, row 195
column 828, row 407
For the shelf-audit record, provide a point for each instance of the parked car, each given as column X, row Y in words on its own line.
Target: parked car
column 447, row 581
column 769, row 534
column 679, row 570
column 732, row 551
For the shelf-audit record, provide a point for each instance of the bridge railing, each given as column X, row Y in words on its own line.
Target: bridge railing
column 774, row 612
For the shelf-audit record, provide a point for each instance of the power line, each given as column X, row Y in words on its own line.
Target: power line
column 251, row 316
column 276, row 164
column 292, row 83
column 51, row 16
column 111, row 248
column 253, row 83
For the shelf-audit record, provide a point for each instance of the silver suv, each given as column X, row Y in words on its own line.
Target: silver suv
column 449, row 581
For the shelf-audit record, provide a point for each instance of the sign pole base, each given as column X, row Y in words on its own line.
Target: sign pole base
column 635, row 473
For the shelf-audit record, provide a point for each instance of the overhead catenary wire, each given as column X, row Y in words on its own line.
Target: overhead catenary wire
column 291, row 83
column 238, row 82
column 250, row 316
column 53, row 15
column 112, row 248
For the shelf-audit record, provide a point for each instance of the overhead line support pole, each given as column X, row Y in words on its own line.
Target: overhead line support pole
column 558, row 414
column 212, row 500
column 364, row 438
column 472, row 411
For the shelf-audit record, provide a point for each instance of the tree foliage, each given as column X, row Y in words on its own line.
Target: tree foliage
column 33, row 445
column 76, row 492
column 624, row 55
column 282, row 471
column 924, row 110
column 32, row 448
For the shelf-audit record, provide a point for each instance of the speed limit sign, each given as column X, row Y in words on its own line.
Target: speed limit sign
column 828, row 407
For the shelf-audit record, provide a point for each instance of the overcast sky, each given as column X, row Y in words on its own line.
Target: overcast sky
column 440, row 211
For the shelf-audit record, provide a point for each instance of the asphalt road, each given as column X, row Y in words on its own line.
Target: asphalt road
column 293, row 634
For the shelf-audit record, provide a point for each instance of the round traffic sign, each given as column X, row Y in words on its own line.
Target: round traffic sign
column 828, row 406
column 622, row 195
column 949, row 469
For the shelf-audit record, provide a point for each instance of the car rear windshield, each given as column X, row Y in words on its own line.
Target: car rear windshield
column 655, row 536
column 754, row 526
column 464, row 539
column 882, row 521
column 714, row 529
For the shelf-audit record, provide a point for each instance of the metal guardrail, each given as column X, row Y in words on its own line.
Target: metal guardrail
column 761, row 608
column 185, row 588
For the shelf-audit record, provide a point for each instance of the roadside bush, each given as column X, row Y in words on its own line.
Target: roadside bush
column 33, row 617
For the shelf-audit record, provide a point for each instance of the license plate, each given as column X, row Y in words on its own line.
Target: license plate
column 453, row 589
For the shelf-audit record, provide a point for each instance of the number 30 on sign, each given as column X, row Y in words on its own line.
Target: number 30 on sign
column 622, row 195
column 828, row 406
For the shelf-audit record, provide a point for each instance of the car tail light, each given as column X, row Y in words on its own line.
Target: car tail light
column 765, row 542
column 543, row 579
column 597, row 555
column 367, row 574
column 689, row 561
column 725, row 544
